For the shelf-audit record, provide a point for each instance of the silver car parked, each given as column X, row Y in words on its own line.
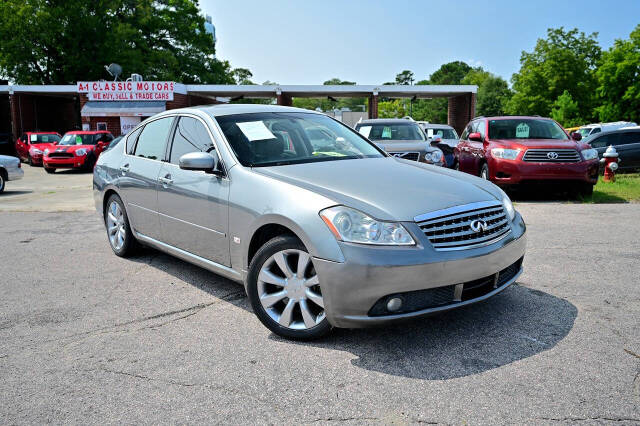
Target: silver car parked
column 10, row 169
column 322, row 231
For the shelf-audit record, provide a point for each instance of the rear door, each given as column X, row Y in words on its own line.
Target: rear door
column 22, row 145
column 193, row 205
column 465, row 159
column 139, row 172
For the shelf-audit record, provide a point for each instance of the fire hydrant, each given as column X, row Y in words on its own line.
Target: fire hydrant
column 610, row 160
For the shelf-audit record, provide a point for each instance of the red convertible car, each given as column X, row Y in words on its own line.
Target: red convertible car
column 31, row 145
column 77, row 149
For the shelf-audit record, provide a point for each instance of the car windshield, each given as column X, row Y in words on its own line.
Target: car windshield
column 392, row 131
column 443, row 133
column 75, row 139
column 114, row 142
column 45, row 138
column 279, row 138
column 585, row 132
column 525, row 128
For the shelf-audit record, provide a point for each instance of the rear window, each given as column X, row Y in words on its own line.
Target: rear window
column 443, row 133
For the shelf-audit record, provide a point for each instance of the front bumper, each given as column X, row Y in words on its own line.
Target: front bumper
column 509, row 172
column 74, row 162
column 36, row 159
column 351, row 289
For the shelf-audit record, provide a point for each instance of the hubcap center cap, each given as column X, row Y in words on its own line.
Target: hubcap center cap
column 295, row 288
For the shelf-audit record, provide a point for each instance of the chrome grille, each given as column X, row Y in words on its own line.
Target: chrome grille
column 413, row 156
column 551, row 156
column 450, row 229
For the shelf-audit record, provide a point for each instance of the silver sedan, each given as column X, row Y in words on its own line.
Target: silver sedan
column 10, row 169
column 322, row 227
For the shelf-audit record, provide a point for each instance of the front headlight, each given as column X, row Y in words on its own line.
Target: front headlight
column 352, row 226
column 589, row 154
column 35, row 151
column 508, row 206
column 46, row 151
column 435, row 156
column 81, row 151
column 505, row 154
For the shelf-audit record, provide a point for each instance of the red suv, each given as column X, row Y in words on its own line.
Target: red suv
column 31, row 145
column 515, row 150
column 76, row 150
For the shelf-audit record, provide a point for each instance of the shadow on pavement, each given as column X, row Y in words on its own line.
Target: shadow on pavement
column 518, row 323
column 10, row 192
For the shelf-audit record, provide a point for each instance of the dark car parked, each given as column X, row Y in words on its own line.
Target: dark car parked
column 626, row 141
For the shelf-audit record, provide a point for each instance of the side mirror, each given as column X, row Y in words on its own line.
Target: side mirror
column 475, row 136
column 576, row 136
column 200, row 161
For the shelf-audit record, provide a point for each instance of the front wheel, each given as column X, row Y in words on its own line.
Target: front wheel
column 585, row 190
column 49, row 170
column 2, row 180
column 285, row 291
column 484, row 171
column 30, row 161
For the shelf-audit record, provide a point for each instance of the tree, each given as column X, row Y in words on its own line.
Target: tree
column 404, row 78
column 391, row 109
column 618, row 80
column 450, row 73
column 338, row 82
column 242, row 76
column 565, row 60
column 565, row 111
column 55, row 42
column 493, row 92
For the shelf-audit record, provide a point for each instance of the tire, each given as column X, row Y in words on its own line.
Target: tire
column 585, row 190
column 119, row 234
column 89, row 163
column 289, row 306
column 484, row 171
column 2, row 182
column 30, row 161
column 49, row 170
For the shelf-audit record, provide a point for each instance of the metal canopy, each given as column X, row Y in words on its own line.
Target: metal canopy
column 122, row 109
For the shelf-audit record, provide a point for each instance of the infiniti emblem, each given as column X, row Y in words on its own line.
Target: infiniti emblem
column 478, row 225
column 552, row 155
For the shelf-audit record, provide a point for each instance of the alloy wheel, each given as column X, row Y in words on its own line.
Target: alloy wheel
column 289, row 290
column 116, row 226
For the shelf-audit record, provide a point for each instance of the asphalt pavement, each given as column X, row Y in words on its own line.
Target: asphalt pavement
column 90, row 338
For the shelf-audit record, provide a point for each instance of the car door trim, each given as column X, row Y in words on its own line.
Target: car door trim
column 217, row 268
column 193, row 224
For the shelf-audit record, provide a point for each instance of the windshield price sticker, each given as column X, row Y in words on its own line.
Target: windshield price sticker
column 34, row 138
column 255, row 130
column 522, row 131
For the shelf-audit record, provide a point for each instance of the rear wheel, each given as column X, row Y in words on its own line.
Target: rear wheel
column 121, row 239
column 2, row 181
column 49, row 170
column 484, row 171
column 284, row 290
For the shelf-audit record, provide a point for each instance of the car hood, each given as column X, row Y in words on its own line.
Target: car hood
column 538, row 143
column 404, row 146
column 72, row 148
column 386, row 188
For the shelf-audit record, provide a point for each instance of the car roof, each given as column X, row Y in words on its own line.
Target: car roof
column 86, row 132
column 618, row 130
column 43, row 133
column 434, row 126
column 509, row 117
column 387, row 121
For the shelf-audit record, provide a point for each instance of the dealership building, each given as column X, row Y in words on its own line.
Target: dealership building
column 118, row 106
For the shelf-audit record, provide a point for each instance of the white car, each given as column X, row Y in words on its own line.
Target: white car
column 10, row 169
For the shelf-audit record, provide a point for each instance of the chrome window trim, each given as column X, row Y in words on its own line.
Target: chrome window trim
column 456, row 209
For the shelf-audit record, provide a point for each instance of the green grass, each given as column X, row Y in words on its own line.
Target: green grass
column 626, row 189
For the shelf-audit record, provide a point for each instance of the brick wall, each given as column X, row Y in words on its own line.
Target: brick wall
column 113, row 124
column 461, row 110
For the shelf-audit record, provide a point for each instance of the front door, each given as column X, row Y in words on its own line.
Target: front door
column 193, row 205
column 139, row 173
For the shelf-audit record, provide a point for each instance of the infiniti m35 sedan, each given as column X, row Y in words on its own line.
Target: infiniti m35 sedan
column 323, row 232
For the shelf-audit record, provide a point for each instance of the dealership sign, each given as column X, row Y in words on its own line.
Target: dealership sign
column 127, row 90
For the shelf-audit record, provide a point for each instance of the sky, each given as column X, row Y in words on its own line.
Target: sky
column 369, row 42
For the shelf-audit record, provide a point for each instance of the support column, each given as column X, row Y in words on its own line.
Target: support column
column 16, row 128
column 284, row 99
column 373, row 106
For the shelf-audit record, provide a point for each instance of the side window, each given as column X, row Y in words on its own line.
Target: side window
column 600, row 142
column 131, row 140
column 479, row 127
column 467, row 130
column 190, row 136
column 596, row 130
column 629, row 137
column 153, row 139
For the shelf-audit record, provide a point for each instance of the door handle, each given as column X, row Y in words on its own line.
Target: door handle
column 124, row 168
column 166, row 180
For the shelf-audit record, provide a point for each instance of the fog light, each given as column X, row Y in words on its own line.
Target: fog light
column 394, row 304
